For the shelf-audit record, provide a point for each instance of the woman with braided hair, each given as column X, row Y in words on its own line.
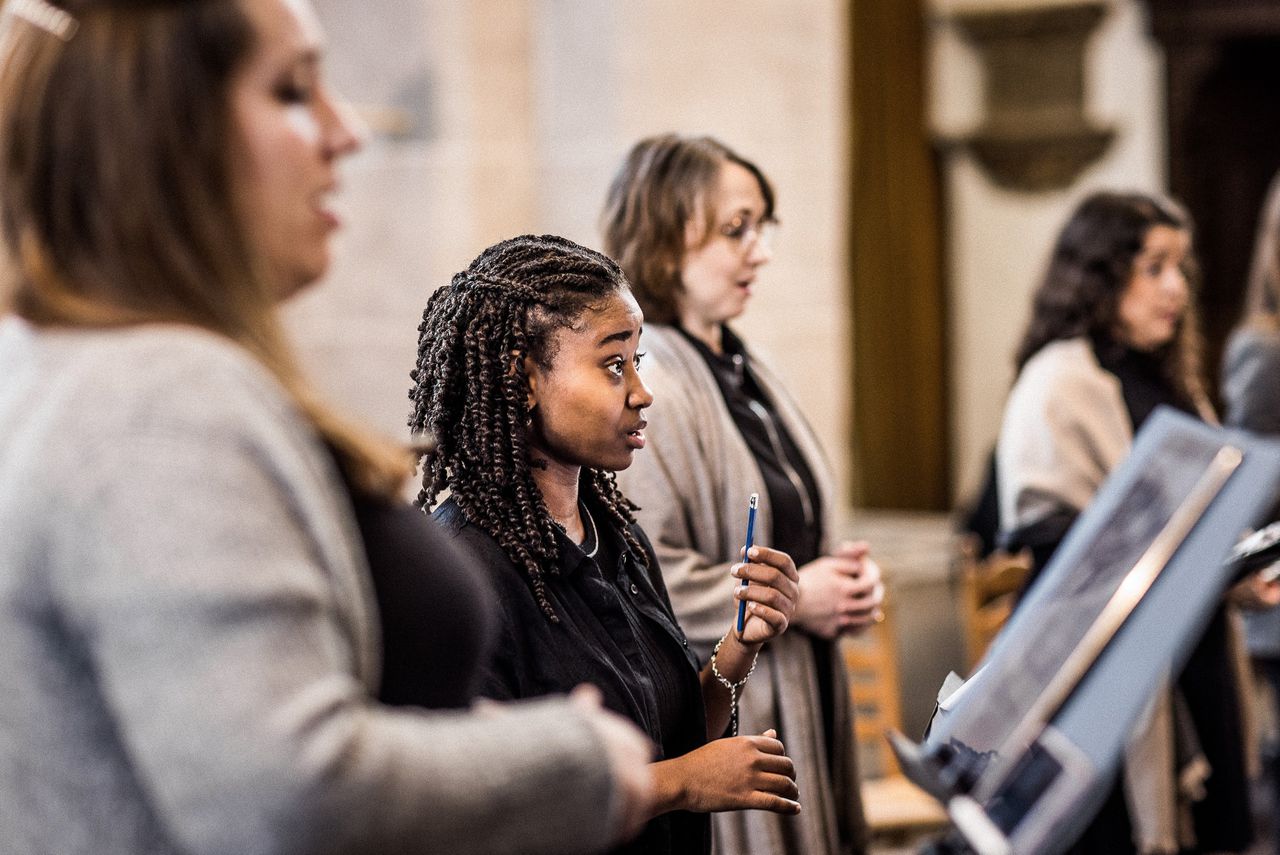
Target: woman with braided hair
column 527, row 376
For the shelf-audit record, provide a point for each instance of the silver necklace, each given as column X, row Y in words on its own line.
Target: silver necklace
column 595, row 535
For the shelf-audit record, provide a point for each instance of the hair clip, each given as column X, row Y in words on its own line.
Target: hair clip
column 46, row 16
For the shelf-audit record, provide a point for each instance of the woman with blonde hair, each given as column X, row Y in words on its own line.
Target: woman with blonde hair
column 189, row 641
column 1251, row 383
column 689, row 221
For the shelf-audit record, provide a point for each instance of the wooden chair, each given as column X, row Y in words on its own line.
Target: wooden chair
column 989, row 588
column 896, row 809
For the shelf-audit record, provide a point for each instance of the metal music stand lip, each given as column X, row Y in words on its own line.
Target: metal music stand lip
column 967, row 815
column 924, row 769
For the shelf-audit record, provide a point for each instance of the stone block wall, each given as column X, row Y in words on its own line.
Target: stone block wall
column 510, row 116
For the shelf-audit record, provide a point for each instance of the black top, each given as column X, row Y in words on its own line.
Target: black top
column 981, row 516
column 434, row 606
column 794, row 501
column 1142, row 381
column 616, row 630
column 1222, row 821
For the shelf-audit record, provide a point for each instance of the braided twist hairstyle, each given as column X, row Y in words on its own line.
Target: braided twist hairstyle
column 470, row 391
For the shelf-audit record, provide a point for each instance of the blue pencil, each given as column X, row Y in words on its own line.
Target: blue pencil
column 751, row 533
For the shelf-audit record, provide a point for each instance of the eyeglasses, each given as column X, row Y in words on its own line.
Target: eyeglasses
column 745, row 232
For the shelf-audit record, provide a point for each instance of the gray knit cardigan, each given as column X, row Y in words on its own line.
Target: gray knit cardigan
column 188, row 643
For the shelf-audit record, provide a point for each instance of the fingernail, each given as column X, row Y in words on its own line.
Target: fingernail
column 753, row 553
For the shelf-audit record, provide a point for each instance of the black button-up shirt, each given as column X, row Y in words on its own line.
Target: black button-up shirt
column 616, row 630
column 795, row 505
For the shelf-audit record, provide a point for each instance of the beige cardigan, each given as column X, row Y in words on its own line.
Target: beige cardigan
column 692, row 482
column 1065, row 429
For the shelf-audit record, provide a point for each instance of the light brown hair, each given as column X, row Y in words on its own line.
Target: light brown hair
column 117, row 204
column 664, row 183
column 1262, row 297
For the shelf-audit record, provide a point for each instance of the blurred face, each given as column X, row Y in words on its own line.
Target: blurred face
column 292, row 134
column 719, row 268
column 589, row 406
column 1156, row 297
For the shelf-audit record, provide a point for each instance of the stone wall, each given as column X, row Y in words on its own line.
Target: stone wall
column 999, row 240
column 499, row 117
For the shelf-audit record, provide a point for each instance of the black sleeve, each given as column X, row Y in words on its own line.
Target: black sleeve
column 434, row 605
column 502, row 674
column 1042, row 537
column 499, row 676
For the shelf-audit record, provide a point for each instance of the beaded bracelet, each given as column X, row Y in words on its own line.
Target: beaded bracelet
column 731, row 686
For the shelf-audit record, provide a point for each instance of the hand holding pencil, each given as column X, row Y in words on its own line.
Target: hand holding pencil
column 753, row 504
column 767, row 598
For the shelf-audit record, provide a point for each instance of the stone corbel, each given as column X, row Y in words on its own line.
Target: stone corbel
column 1035, row 135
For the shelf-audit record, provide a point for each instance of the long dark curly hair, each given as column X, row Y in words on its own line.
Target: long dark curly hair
column 1091, row 265
column 470, row 391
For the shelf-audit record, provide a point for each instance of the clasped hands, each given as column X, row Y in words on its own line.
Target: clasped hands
column 840, row 593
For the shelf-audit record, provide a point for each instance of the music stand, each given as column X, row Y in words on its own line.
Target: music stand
column 1022, row 754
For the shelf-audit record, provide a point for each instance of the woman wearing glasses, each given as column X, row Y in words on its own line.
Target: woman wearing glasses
column 688, row 219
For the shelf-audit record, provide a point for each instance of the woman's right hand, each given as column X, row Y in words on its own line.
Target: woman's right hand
column 735, row 773
column 1255, row 592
